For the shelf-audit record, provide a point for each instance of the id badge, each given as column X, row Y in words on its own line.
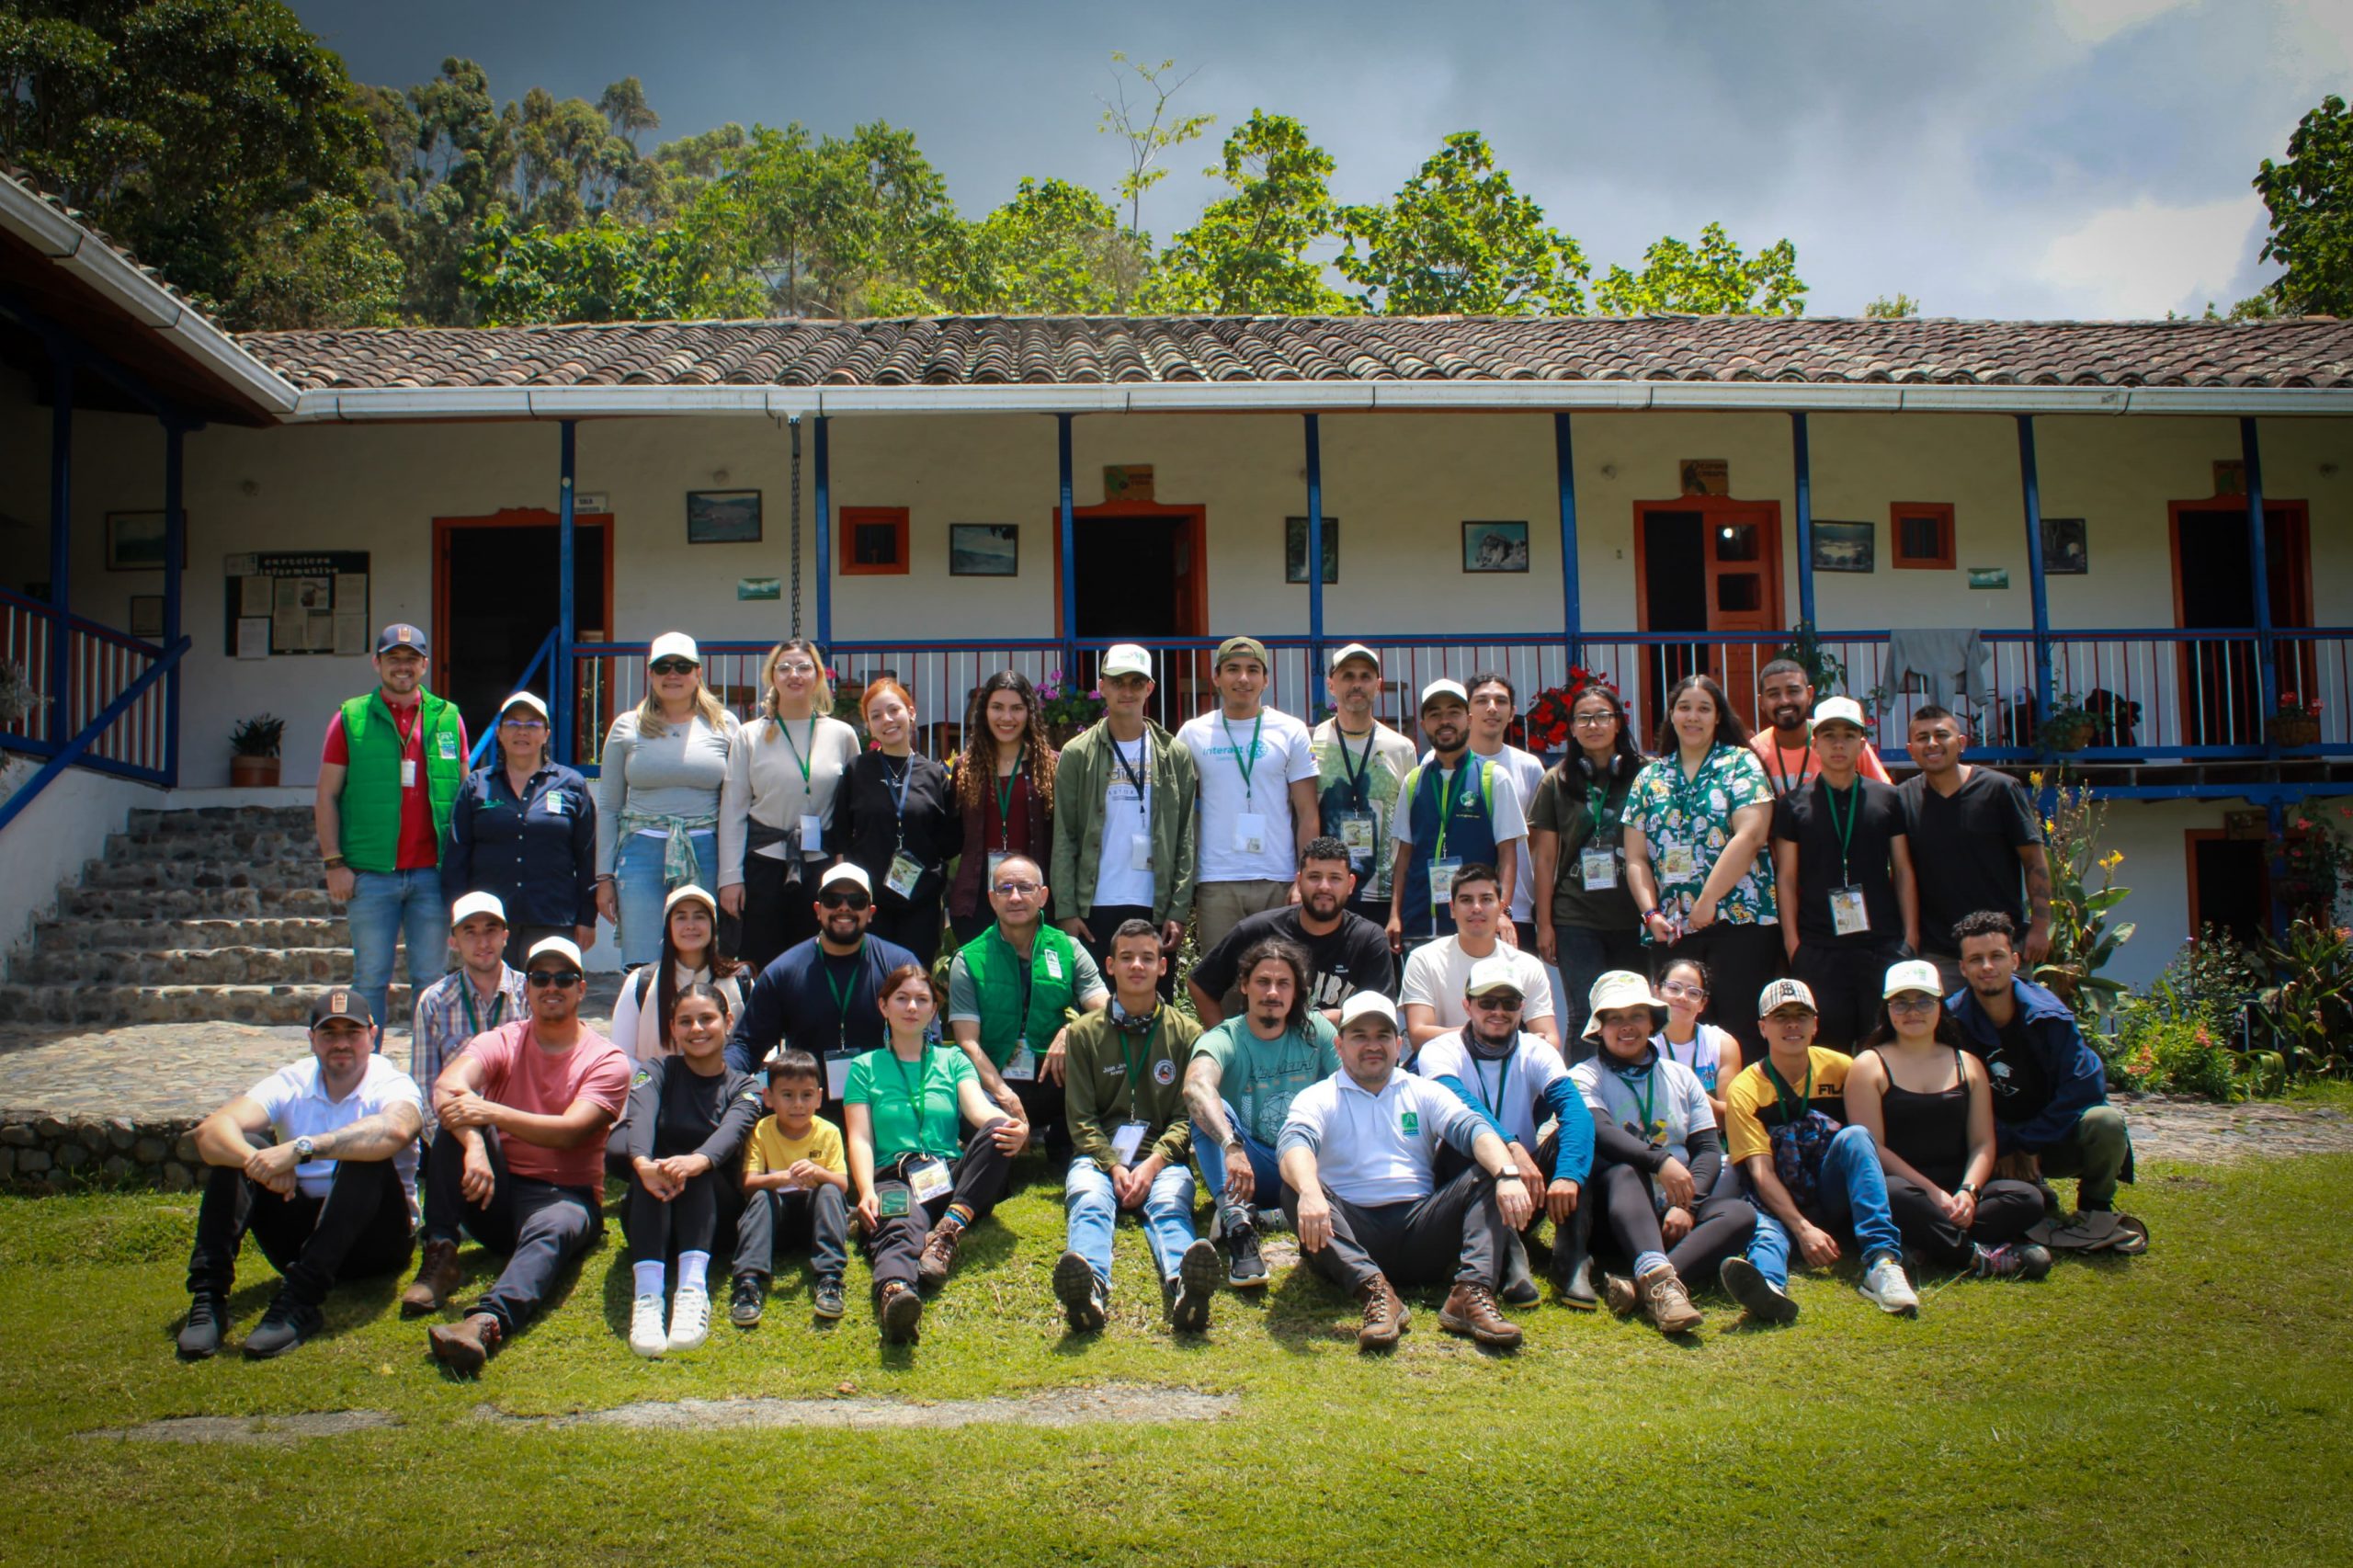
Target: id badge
column 1126, row 1139
column 408, row 773
column 1250, row 832
column 1442, row 873
column 837, row 1073
column 1600, row 866
column 930, row 1179
column 1356, row 831
column 893, row 1202
column 1848, row 915
column 812, row 834
column 997, row 858
column 1021, row 1067
column 1139, row 853
column 904, row 874
column 557, row 804
column 1679, row 863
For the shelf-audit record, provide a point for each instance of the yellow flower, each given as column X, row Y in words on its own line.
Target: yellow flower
column 2035, row 778
column 2113, row 858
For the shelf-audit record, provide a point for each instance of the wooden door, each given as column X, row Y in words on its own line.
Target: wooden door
column 2212, row 589
column 1711, row 565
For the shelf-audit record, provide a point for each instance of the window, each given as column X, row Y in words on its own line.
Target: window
column 874, row 542
column 1922, row 534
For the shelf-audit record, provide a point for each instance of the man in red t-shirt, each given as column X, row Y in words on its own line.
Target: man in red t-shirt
column 520, row 1161
column 1785, row 743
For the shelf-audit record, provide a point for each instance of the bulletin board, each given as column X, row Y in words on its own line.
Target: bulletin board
column 281, row 604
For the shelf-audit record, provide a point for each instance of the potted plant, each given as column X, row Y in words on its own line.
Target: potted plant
column 1545, row 728
column 1065, row 707
column 2069, row 726
column 2295, row 725
column 253, row 750
column 18, row 698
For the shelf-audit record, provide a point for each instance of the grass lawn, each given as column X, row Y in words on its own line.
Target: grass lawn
column 2193, row 1405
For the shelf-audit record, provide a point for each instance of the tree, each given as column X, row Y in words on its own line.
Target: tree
column 1897, row 309
column 1716, row 280
column 1147, row 136
column 321, row 265
column 449, row 159
column 1247, row 254
column 835, row 226
column 1458, row 240
column 605, row 269
column 2311, row 200
column 626, row 111
column 1054, row 249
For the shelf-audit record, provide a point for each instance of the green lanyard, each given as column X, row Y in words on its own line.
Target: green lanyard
column 1688, row 790
column 1781, row 1089
column 1356, row 770
column 795, row 748
column 1136, row 1065
column 1650, row 1090
column 1240, row 761
column 1781, row 768
column 474, row 1022
column 1005, row 787
column 1495, row 1108
column 1450, row 795
column 841, row 993
column 917, row 1091
column 1845, row 830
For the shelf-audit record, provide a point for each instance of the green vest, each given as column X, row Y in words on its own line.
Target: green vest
column 995, row 969
column 371, row 801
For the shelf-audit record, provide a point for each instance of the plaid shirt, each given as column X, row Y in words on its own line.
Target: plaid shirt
column 447, row 1015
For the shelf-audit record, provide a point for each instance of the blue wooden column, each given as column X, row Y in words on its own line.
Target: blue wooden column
column 822, row 456
column 1068, row 586
column 1801, row 458
column 1315, row 560
column 2030, row 492
column 174, row 565
column 61, row 496
column 1565, row 476
column 562, row 697
column 2259, row 569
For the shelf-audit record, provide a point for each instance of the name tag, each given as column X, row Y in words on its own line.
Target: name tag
column 1054, row 966
column 893, row 1202
column 903, row 875
column 1442, row 874
column 1679, row 862
column 1848, row 915
column 557, row 804
column 1357, row 831
column 812, row 834
column 1022, row 1066
column 1140, row 852
column 1600, row 869
column 1250, row 832
column 1126, row 1139
column 930, row 1180
column 408, row 773
column 448, row 746
column 837, row 1073
column 997, row 858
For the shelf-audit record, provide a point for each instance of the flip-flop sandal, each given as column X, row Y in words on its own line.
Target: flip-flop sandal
column 2132, row 1236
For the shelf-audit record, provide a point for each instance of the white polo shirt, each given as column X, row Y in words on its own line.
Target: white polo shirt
column 1377, row 1149
column 298, row 1107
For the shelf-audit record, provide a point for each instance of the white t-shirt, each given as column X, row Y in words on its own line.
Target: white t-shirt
column 1526, row 773
column 1512, row 1090
column 1436, row 972
column 297, row 1107
column 1376, row 1149
column 1703, row 1055
column 1508, row 813
column 1677, row 1105
column 1126, row 822
column 1283, row 756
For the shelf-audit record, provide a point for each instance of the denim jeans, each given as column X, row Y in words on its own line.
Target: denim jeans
column 638, row 869
column 1094, row 1210
column 1265, row 1169
column 385, row 907
column 1852, row 1196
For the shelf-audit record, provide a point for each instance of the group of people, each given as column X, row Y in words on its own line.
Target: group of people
column 1421, row 1020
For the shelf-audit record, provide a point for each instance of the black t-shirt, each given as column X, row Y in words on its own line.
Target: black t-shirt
column 1809, row 817
column 2022, row 1085
column 673, row 1110
column 1352, row 957
column 1965, row 851
column 869, row 828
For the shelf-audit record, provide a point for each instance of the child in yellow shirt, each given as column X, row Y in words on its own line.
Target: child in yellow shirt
column 796, row 1181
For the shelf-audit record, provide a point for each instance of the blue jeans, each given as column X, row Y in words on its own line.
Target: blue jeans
column 1852, row 1196
column 1093, row 1209
column 1265, row 1170
column 384, row 906
column 638, row 869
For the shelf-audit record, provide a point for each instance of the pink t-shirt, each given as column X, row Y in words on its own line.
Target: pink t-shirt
column 517, row 1072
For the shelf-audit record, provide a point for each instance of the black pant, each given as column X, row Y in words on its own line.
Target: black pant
column 965, row 927
column 897, row 1240
column 1846, row 981
column 703, row 1217
column 1106, row 918
column 521, row 939
column 360, row 1227
column 1744, row 959
column 1045, row 1105
column 915, row 927
column 817, row 1218
column 538, row 1226
column 2005, row 1210
column 1721, row 1227
column 779, row 908
column 1455, row 1236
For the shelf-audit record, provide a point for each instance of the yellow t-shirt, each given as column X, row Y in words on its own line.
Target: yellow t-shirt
column 768, row 1151
column 1753, row 1098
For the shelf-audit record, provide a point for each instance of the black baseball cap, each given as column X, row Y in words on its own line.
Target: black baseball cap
column 401, row 634
column 341, row 1002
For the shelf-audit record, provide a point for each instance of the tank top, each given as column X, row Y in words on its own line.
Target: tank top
column 1702, row 1052
column 1931, row 1130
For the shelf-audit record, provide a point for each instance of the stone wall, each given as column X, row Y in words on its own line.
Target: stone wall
column 49, row 1153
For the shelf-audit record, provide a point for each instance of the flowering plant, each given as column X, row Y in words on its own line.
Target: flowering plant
column 2292, row 709
column 1545, row 727
column 1063, row 708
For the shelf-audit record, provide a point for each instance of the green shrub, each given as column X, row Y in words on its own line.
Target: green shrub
column 2172, row 1056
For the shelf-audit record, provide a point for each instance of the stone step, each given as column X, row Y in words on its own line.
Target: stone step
column 159, row 936
column 178, row 901
column 311, row 967
column 108, row 1006
column 211, row 819
column 165, row 876
column 228, row 847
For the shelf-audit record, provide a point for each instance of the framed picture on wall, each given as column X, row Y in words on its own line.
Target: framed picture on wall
column 1295, row 550
column 723, row 517
column 1845, row 547
column 1495, row 547
column 134, row 541
column 985, row 550
column 2065, row 553
column 146, row 615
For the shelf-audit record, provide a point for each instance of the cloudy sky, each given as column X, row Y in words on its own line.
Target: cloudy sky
column 2059, row 158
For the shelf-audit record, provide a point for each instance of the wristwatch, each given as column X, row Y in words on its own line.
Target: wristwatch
column 303, row 1147
column 1968, row 1187
column 1234, row 1143
column 1512, row 1176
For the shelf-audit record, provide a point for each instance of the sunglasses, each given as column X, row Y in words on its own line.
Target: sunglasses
column 1497, row 1001
column 556, row 977
column 854, row 897
column 672, row 667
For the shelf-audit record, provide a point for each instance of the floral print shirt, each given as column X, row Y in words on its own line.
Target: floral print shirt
column 1687, row 823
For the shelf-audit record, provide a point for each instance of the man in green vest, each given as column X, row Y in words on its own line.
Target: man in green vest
column 1011, row 995
column 394, row 762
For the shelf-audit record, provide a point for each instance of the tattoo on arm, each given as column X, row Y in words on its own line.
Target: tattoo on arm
column 2037, row 888
column 376, row 1137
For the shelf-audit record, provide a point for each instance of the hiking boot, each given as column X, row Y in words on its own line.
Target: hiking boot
column 1885, row 1288
column 825, row 1299
column 2011, row 1260
column 900, row 1309
column 1758, row 1296
column 436, row 1276
column 938, row 1255
column 1471, row 1309
column 287, row 1323
column 200, row 1330
column 1665, row 1303
column 1519, row 1284
column 747, row 1298
column 1619, row 1292
column 646, row 1335
column 1085, row 1302
column 1195, row 1287
column 465, row 1346
column 1384, row 1315
column 1244, row 1269
column 689, row 1317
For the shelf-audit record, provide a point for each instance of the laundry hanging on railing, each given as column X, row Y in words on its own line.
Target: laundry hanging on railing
column 1952, row 662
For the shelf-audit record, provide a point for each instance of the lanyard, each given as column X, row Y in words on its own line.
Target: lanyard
column 841, row 993
column 1650, row 1089
column 898, row 788
column 1782, row 1093
column 1241, row 762
column 1494, row 1107
column 1005, row 787
column 1845, row 830
column 1135, row 777
column 1781, row 766
column 917, row 1090
column 1136, row 1064
column 474, row 1022
column 1450, row 795
column 1029, row 974
column 1356, row 770
column 795, row 747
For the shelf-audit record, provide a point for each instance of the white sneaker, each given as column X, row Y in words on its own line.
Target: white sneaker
column 690, row 1317
column 1885, row 1288
column 645, row 1334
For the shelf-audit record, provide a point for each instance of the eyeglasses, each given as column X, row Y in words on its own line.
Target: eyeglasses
column 1016, row 890
column 1495, row 1000
column 796, row 667
column 1914, row 1003
column 556, row 977
column 838, row 898
column 523, row 723
column 1594, row 720
column 672, row 667
column 1684, row 988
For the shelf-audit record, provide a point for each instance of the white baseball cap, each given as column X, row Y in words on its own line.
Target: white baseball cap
column 1493, row 973
column 524, row 699
column 563, row 945
column 674, row 645
column 1912, row 974
column 1840, row 710
column 476, row 904
column 848, row 871
column 1784, row 993
column 1442, row 687
column 1617, row 989
column 1365, row 1004
column 689, row 891
column 1354, row 651
column 1127, row 659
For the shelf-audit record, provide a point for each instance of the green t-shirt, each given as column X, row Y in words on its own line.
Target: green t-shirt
column 1259, row 1078
column 912, row 1107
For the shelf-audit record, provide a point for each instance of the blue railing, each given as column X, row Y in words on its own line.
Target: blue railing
column 522, row 683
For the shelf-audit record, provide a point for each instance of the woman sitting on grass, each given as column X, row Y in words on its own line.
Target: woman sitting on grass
column 1930, row 1108
column 1713, row 1054
column 688, row 1114
column 919, row 1180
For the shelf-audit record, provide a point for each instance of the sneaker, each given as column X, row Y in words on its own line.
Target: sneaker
column 826, row 1299
column 287, row 1323
column 436, row 1276
column 1885, row 1288
column 1384, row 1315
column 646, row 1335
column 1470, row 1311
column 1244, row 1269
column 746, row 1300
column 900, row 1310
column 938, row 1255
column 200, row 1330
column 2011, row 1260
column 1084, row 1299
column 1619, row 1292
column 1759, row 1297
column 1197, row 1276
column 465, row 1346
column 1667, row 1303
column 689, row 1317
